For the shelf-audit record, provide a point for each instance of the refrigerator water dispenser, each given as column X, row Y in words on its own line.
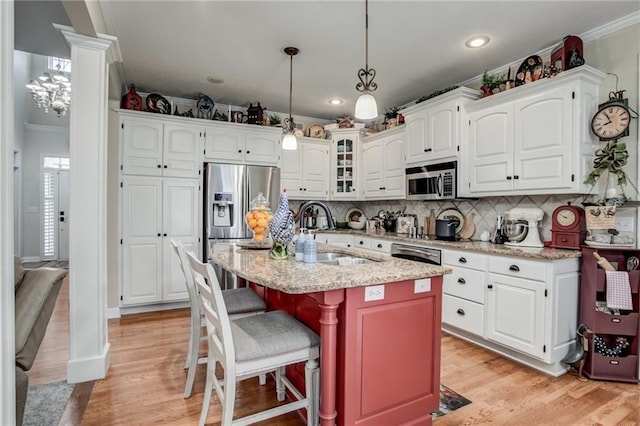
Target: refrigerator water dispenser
column 222, row 205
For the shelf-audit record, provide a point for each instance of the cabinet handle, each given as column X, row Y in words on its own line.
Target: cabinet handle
column 165, row 166
column 508, row 177
column 248, row 152
column 614, row 362
column 300, row 189
column 240, row 151
column 490, row 286
column 615, row 320
column 164, row 235
column 462, row 260
column 461, row 281
column 159, row 234
column 159, row 166
column 516, row 177
column 428, row 150
column 380, row 245
column 361, row 242
column 514, row 268
column 460, row 312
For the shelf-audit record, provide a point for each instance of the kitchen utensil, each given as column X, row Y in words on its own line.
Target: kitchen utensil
column 353, row 215
column 515, row 230
column 498, row 236
column 446, row 229
column 604, row 263
column 469, row 227
column 632, row 263
column 454, row 214
column 431, row 230
column 530, row 236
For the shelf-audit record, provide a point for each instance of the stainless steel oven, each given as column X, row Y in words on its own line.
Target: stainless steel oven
column 417, row 253
column 432, row 182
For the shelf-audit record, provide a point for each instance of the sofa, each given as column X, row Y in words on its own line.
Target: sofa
column 36, row 292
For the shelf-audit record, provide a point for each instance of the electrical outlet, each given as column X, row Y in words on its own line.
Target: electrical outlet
column 422, row 286
column 374, row 292
column 624, row 224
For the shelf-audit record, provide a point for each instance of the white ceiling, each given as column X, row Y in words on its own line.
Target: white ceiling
column 416, row 47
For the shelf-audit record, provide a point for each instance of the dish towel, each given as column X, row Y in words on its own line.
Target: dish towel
column 618, row 290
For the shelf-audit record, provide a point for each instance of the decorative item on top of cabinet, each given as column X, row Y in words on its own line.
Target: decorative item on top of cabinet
column 158, row 104
column 131, row 100
column 490, row 82
column 255, row 114
column 568, row 54
column 205, row 106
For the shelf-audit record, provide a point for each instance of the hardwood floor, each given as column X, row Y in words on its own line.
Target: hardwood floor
column 146, row 380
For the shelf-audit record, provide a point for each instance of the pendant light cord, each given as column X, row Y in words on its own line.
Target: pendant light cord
column 290, row 86
column 366, row 34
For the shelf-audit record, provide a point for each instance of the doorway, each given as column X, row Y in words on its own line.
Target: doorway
column 55, row 208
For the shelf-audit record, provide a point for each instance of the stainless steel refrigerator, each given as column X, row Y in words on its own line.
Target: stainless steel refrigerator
column 228, row 191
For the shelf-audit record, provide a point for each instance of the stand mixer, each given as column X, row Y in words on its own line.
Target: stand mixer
column 523, row 234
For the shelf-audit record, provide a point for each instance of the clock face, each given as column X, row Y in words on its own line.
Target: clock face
column 611, row 122
column 566, row 217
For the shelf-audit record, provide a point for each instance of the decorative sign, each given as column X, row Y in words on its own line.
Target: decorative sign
column 601, row 217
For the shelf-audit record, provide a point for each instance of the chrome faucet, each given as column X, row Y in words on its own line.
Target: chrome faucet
column 331, row 223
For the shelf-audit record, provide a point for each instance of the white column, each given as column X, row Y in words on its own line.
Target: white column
column 89, row 354
column 7, row 327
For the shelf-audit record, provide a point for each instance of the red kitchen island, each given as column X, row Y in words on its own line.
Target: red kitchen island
column 379, row 324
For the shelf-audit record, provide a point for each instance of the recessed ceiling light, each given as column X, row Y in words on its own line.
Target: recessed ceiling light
column 335, row 101
column 215, row 80
column 477, row 41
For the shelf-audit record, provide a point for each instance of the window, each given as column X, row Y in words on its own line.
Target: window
column 54, row 63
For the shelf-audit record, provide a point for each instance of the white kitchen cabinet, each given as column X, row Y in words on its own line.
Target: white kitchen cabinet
column 463, row 304
column 533, row 139
column 373, row 244
column 241, row 144
column 434, row 127
column 151, row 147
column 155, row 210
column 340, row 240
column 305, row 171
column 344, row 182
column 383, row 165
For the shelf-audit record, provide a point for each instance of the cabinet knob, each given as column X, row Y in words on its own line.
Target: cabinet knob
column 460, row 312
column 508, row 177
column 164, row 235
column 240, row 151
column 514, row 268
column 159, row 234
column 379, row 245
column 490, row 286
column 461, row 281
column 300, row 189
column 462, row 260
column 361, row 242
column 516, row 177
column 159, row 166
column 165, row 166
column 248, row 152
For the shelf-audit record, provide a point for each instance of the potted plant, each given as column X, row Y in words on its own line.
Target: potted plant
column 274, row 119
column 490, row 82
column 391, row 112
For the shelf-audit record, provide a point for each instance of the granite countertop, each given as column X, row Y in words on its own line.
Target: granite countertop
column 294, row 277
column 544, row 253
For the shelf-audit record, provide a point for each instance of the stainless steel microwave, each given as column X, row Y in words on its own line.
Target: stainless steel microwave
column 432, row 182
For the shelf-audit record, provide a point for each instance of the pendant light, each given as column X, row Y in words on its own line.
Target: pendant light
column 366, row 107
column 289, row 141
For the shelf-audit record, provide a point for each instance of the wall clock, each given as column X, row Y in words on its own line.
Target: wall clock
column 612, row 119
column 568, row 227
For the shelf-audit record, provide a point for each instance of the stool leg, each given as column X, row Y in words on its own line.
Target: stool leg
column 208, row 388
column 312, row 390
column 263, row 379
column 279, row 385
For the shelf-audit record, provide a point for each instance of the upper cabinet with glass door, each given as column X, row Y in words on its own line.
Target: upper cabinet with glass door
column 345, row 145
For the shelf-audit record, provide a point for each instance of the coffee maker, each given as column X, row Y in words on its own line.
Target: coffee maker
column 521, row 227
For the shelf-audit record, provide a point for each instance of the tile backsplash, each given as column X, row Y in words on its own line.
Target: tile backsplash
column 486, row 209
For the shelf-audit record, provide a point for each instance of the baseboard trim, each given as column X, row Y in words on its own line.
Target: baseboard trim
column 92, row 368
column 113, row 313
column 152, row 308
column 28, row 259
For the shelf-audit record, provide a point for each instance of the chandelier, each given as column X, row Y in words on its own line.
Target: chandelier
column 52, row 92
column 366, row 107
column 289, row 141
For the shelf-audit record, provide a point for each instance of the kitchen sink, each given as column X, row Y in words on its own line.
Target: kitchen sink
column 341, row 259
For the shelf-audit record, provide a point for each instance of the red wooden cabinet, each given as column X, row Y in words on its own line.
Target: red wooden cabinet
column 388, row 368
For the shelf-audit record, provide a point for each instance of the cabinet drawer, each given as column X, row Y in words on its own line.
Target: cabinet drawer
column 463, row 314
column 568, row 240
column 465, row 283
column 516, row 267
column 464, row 258
column 614, row 368
column 621, row 325
column 380, row 245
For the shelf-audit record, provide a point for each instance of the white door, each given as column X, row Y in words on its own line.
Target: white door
column 54, row 244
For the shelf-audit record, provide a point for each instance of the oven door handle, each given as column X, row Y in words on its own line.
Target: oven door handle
column 416, row 252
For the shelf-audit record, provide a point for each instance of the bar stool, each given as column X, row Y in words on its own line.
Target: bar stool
column 240, row 302
column 254, row 345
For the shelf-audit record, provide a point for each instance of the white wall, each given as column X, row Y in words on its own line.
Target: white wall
column 39, row 141
column 21, row 69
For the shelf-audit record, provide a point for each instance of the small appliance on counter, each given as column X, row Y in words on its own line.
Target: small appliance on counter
column 521, row 227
